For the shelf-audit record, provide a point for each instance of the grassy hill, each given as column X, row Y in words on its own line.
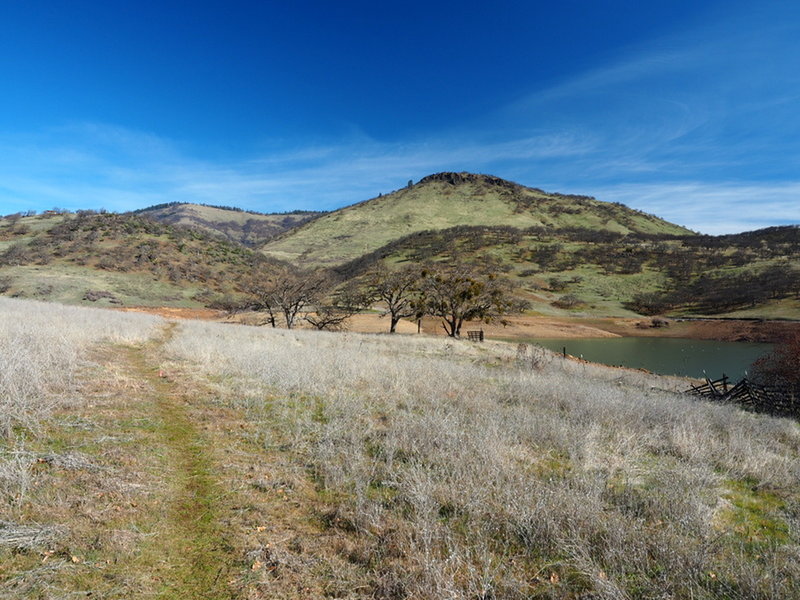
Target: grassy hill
column 447, row 200
column 118, row 259
column 236, row 225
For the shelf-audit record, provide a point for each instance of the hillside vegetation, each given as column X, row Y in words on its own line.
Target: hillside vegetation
column 118, row 259
column 201, row 460
column 583, row 271
column 447, row 200
column 235, row 225
column 570, row 256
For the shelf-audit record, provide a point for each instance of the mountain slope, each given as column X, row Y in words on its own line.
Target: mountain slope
column 248, row 228
column 579, row 271
column 130, row 261
column 447, row 200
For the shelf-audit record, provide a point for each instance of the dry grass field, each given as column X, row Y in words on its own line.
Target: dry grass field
column 146, row 458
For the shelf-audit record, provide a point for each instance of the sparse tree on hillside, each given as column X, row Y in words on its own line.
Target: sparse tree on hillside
column 17, row 254
column 546, row 255
column 458, row 293
column 397, row 290
column 286, row 291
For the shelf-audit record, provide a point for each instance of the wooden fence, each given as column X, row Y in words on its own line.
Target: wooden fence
column 752, row 396
column 475, row 335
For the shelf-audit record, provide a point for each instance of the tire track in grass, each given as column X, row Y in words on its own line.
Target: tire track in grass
column 194, row 559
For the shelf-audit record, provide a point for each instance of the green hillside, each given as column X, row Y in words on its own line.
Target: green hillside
column 236, row 225
column 446, row 200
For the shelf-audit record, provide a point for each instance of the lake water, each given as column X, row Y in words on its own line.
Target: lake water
column 667, row 356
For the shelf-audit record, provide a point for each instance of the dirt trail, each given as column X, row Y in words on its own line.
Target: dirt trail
column 194, row 558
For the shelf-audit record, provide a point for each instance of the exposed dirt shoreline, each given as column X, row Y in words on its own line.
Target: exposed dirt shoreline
column 705, row 329
column 529, row 327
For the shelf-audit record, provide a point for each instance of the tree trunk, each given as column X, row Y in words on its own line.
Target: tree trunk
column 458, row 325
column 450, row 327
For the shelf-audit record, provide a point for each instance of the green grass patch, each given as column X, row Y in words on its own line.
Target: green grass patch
column 753, row 515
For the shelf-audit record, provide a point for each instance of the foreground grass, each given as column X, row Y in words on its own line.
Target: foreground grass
column 457, row 472
column 216, row 461
column 143, row 484
column 191, row 549
column 137, row 510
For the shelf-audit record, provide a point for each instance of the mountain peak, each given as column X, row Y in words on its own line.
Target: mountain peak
column 453, row 178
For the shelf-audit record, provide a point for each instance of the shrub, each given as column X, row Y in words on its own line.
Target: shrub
column 568, row 301
column 95, row 295
column 781, row 367
column 17, row 254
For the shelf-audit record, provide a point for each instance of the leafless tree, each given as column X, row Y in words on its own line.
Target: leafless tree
column 286, row 291
column 458, row 292
column 333, row 315
column 398, row 291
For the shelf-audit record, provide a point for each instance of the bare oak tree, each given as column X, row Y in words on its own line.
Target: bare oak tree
column 342, row 305
column 459, row 292
column 286, row 291
column 398, row 291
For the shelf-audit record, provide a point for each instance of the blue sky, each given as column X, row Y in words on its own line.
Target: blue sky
column 688, row 110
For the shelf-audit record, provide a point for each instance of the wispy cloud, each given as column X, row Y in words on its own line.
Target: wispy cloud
column 94, row 166
column 120, row 170
column 712, row 208
column 699, row 127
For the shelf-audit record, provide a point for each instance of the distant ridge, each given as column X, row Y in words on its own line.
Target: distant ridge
column 246, row 227
column 568, row 254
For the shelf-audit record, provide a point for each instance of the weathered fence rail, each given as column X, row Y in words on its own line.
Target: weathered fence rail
column 774, row 400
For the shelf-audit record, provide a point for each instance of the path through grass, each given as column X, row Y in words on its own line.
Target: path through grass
column 157, row 481
column 193, row 555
